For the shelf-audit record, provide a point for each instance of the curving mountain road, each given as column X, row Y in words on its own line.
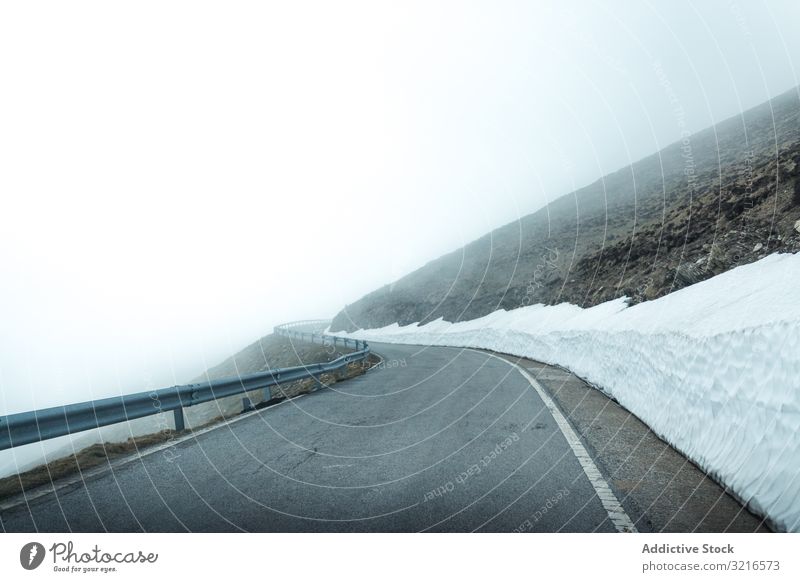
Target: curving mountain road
column 434, row 439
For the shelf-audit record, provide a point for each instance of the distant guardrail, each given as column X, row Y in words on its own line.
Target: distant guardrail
column 310, row 330
column 38, row 425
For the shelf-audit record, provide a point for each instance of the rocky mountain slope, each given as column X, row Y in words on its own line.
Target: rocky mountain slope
column 722, row 197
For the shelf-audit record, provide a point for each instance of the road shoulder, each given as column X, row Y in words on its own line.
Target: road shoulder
column 661, row 490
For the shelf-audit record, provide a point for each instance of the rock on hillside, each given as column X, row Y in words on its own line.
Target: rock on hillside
column 723, row 197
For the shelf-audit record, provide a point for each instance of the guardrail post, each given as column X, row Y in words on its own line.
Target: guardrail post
column 180, row 423
column 247, row 404
column 24, row 428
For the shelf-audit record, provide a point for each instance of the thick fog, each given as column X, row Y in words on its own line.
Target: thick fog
column 177, row 177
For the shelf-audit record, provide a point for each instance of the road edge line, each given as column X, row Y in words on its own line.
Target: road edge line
column 616, row 513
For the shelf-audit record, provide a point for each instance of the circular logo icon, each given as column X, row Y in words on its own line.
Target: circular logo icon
column 31, row 555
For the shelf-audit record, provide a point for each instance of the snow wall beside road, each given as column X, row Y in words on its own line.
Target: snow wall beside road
column 714, row 369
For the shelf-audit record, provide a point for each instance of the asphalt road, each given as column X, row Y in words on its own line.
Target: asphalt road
column 435, row 439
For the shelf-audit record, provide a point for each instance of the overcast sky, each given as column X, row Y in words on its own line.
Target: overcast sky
column 178, row 177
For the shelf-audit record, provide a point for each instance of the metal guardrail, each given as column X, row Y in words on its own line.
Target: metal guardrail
column 38, row 425
column 311, row 330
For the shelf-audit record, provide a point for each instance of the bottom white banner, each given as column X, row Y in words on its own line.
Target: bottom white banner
column 393, row 556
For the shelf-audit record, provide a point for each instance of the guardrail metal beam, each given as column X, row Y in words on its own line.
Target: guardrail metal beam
column 38, row 425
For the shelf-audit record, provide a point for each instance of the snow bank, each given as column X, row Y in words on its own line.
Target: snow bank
column 714, row 369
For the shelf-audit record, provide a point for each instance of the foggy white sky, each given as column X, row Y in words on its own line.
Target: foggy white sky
column 178, row 177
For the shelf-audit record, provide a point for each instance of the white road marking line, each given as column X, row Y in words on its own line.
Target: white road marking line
column 616, row 513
